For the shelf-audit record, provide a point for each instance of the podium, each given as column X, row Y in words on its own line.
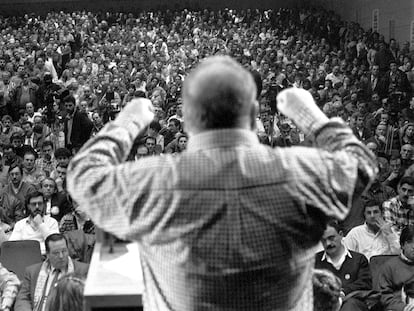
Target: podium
column 114, row 279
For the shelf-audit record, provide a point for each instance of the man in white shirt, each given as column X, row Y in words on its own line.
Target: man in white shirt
column 37, row 226
column 375, row 236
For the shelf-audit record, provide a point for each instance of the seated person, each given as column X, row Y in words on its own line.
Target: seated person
column 396, row 272
column 17, row 187
column 9, row 287
column 37, row 226
column 397, row 210
column 57, row 203
column 350, row 267
column 31, row 174
column 41, row 277
column 375, row 236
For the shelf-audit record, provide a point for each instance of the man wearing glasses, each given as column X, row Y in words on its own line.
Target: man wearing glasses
column 37, row 226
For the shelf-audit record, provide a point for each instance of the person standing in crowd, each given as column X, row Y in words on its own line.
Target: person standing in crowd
column 223, row 255
column 78, row 127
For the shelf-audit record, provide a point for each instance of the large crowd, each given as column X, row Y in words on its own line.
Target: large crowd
column 65, row 75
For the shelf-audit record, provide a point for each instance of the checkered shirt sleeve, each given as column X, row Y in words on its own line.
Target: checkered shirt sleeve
column 9, row 284
column 228, row 224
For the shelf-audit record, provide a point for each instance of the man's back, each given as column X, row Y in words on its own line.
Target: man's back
column 230, row 223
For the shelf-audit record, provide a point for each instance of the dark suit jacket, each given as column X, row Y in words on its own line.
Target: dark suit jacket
column 366, row 133
column 81, row 130
column 60, row 199
column 354, row 273
column 24, row 299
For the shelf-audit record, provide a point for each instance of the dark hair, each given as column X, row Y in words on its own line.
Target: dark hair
column 62, row 165
column 15, row 136
column 175, row 121
column 368, row 202
column 27, row 122
column 30, row 151
column 54, row 237
column 47, row 143
column 407, row 235
column 150, row 137
column 326, row 290
column 69, row 99
column 63, row 152
column 67, row 294
column 14, row 165
column 155, row 125
column 258, row 81
column 406, row 180
column 31, row 195
column 334, row 224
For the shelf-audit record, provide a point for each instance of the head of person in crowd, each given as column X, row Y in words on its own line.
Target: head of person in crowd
column 326, row 290
column 16, row 140
column 47, row 150
column 395, row 164
column 35, row 204
column 63, row 156
column 83, row 106
column 7, row 121
column 408, row 131
column 142, row 151
column 29, row 160
column 70, row 104
column 332, row 239
column 48, row 187
column 381, row 130
column 405, row 189
column 182, row 142
column 67, row 294
column 9, row 153
column 154, row 128
column 57, row 252
column 406, row 152
column 372, row 214
column 61, row 170
column 30, row 109
column 407, row 242
column 150, row 142
column 15, row 174
column 174, row 125
column 219, row 102
column 27, row 127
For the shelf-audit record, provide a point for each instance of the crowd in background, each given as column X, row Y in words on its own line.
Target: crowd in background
column 65, row 75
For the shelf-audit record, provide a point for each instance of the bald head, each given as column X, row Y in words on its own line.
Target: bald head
column 219, row 94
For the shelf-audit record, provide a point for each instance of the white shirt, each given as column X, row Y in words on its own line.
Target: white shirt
column 23, row 230
column 360, row 239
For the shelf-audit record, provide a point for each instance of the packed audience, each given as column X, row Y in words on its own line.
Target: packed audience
column 65, row 75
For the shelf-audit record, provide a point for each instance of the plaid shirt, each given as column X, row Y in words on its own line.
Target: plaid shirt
column 398, row 215
column 9, row 285
column 228, row 224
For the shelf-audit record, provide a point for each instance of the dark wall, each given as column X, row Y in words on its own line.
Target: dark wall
column 16, row 7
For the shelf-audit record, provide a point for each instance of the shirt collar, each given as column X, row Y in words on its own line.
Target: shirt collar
column 222, row 138
column 347, row 253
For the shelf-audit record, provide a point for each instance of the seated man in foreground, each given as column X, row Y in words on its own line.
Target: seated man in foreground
column 375, row 236
column 37, row 226
column 41, row 277
column 397, row 272
column 349, row 266
column 228, row 224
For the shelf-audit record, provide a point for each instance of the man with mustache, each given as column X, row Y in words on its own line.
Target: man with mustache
column 37, row 226
column 398, row 211
column 351, row 267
